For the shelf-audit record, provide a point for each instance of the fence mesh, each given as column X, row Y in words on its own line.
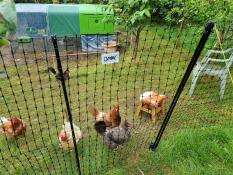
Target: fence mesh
column 31, row 93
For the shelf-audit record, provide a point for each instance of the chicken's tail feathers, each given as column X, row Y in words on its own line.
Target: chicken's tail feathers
column 3, row 121
column 94, row 111
column 51, row 69
column 66, row 74
column 125, row 124
column 67, row 119
column 79, row 135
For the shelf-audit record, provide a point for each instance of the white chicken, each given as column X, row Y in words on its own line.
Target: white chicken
column 65, row 136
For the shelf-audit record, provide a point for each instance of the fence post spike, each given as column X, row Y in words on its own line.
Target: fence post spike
column 59, row 67
column 199, row 48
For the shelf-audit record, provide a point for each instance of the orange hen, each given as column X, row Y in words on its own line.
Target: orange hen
column 12, row 126
column 111, row 119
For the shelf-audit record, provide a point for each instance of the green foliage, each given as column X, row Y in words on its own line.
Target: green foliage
column 194, row 10
column 133, row 14
column 7, row 20
column 136, row 13
column 7, row 17
column 218, row 10
column 169, row 10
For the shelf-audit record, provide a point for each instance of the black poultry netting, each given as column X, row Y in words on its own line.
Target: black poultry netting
column 116, row 96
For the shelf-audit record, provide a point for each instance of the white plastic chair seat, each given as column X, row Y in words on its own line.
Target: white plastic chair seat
column 211, row 70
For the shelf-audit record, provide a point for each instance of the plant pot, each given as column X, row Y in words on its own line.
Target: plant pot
column 110, row 46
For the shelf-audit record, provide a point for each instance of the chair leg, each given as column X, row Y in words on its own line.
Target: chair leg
column 162, row 112
column 194, row 81
column 139, row 109
column 153, row 115
column 162, row 109
column 223, row 85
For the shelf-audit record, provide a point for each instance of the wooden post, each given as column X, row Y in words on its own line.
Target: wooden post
column 180, row 33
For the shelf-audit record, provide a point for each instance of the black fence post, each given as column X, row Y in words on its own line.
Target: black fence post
column 189, row 69
column 59, row 67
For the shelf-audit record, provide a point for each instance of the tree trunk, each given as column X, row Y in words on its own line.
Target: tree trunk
column 131, row 44
column 135, row 52
column 180, row 32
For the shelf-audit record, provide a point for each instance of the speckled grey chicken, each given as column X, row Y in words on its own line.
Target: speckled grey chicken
column 113, row 137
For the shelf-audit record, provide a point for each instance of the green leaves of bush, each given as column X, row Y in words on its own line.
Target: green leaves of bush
column 7, row 20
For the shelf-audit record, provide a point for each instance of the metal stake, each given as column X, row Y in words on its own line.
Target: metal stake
column 189, row 69
column 59, row 67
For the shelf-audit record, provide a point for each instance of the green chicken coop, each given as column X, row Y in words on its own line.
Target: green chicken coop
column 35, row 20
column 92, row 20
column 70, row 20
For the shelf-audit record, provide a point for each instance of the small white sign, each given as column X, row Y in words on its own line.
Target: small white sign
column 110, row 58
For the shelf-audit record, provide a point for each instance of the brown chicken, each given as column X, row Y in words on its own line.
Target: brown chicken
column 12, row 127
column 58, row 76
column 105, row 119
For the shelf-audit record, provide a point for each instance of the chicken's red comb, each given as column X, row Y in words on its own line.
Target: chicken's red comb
column 63, row 136
column 14, row 119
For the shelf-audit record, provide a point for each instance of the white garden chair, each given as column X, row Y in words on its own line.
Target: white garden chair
column 208, row 67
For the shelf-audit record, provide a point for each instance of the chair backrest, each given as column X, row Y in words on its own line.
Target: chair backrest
column 229, row 63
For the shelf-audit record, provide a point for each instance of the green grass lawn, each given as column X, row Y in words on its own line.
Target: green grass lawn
column 198, row 139
column 193, row 151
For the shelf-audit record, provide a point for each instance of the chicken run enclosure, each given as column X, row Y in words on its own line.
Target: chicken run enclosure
column 49, row 81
